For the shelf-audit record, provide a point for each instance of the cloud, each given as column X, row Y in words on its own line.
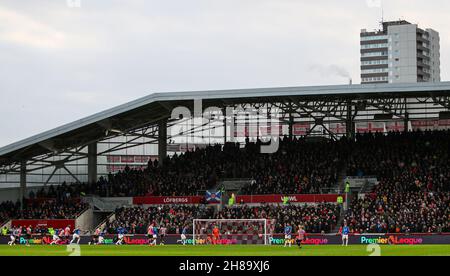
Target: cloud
column 74, row 62
column 28, row 32
column 22, row 29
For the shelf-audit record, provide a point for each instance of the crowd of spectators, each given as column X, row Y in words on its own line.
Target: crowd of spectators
column 59, row 192
column 297, row 167
column 321, row 218
column 397, row 212
column 8, row 209
column 135, row 220
column 403, row 157
column 42, row 209
column 414, row 174
column 300, row 166
column 52, row 209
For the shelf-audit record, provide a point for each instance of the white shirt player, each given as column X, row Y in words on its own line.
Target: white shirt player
column 14, row 234
column 56, row 238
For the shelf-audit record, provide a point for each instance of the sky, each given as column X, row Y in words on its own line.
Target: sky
column 62, row 60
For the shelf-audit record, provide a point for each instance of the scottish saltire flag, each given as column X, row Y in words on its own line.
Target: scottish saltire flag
column 213, row 197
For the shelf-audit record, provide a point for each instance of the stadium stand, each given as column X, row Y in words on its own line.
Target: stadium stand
column 54, row 202
column 48, row 208
column 412, row 196
column 52, row 209
column 422, row 156
column 299, row 167
column 411, row 212
column 8, row 210
column 305, row 170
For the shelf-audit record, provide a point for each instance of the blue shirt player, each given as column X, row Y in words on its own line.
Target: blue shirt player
column 184, row 232
column 287, row 235
column 155, row 235
column 75, row 236
column 344, row 232
column 120, row 235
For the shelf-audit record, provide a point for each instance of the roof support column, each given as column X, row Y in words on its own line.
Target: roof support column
column 224, row 125
column 23, row 182
column 162, row 141
column 406, row 122
column 349, row 123
column 92, row 162
column 406, row 119
column 291, row 126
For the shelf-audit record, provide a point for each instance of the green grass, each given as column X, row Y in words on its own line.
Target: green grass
column 225, row 250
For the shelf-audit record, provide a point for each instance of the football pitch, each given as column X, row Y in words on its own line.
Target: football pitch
column 225, row 250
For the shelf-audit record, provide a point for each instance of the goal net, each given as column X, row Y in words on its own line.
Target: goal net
column 231, row 231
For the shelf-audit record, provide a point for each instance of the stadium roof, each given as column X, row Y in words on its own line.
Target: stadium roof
column 157, row 106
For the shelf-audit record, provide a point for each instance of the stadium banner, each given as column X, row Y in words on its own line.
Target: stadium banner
column 55, row 223
column 116, row 163
column 395, row 126
column 337, row 128
column 258, row 131
column 121, row 168
column 267, row 130
column 245, row 131
column 425, row 124
column 301, row 129
column 304, row 198
column 372, row 127
column 254, row 239
column 436, row 124
column 150, row 200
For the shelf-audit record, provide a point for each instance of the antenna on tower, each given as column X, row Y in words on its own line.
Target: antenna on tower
column 382, row 15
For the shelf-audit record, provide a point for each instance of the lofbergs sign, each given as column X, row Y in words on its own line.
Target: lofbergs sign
column 150, row 200
column 175, row 200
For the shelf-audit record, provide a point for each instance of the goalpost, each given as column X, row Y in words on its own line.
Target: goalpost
column 245, row 231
